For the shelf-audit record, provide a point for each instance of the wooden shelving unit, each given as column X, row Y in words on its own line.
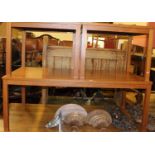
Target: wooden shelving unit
column 78, row 75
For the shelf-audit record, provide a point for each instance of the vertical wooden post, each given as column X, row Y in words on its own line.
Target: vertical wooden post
column 44, row 95
column 76, row 52
column 5, row 106
column 148, row 56
column 8, row 49
column 123, row 101
column 23, row 94
column 44, row 64
column 129, row 55
column 23, row 52
column 83, row 53
column 146, row 107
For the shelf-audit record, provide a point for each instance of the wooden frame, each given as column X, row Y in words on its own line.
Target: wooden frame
column 26, row 76
column 117, row 29
column 45, row 27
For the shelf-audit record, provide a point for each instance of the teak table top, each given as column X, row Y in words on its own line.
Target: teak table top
column 63, row 77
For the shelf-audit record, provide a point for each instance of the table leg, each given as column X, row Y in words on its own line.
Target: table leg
column 123, row 100
column 23, row 93
column 44, row 95
column 5, row 106
column 146, row 108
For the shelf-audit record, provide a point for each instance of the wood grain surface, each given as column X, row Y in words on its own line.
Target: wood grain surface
column 33, row 118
